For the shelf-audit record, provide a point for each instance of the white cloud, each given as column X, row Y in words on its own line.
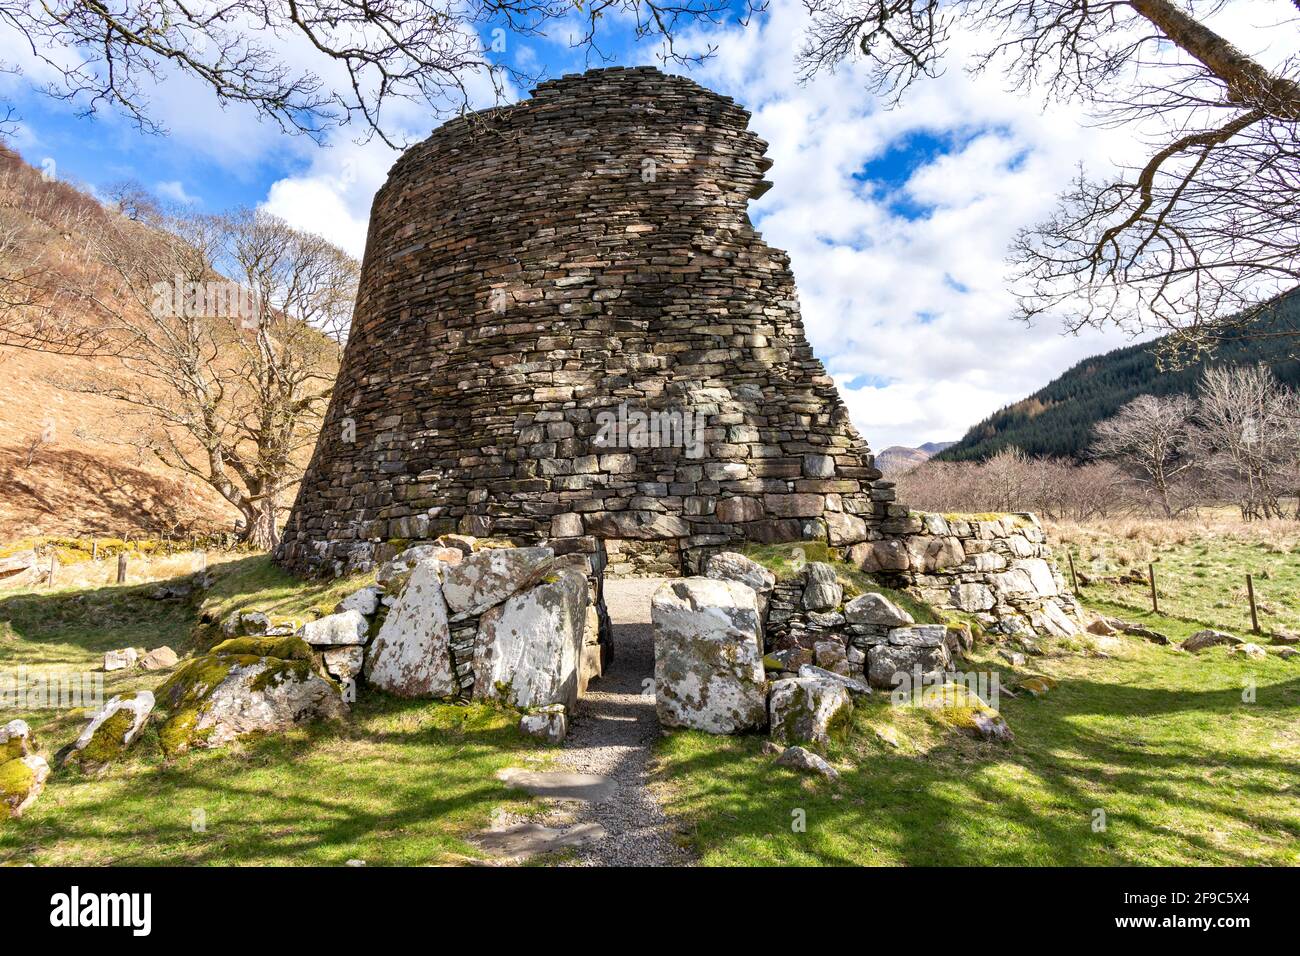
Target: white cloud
column 174, row 190
column 914, row 310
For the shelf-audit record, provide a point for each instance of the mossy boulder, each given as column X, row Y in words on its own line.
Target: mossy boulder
column 961, row 708
column 808, row 710
column 16, row 741
column 245, row 623
column 112, row 730
column 21, row 782
column 284, row 648
column 245, row 685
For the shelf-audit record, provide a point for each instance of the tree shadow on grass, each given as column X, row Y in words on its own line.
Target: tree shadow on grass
column 966, row 802
column 397, row 782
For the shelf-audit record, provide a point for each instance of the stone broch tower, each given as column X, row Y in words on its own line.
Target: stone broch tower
column 531, row 267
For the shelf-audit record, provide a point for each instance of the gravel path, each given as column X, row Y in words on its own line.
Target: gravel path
column 612, row 735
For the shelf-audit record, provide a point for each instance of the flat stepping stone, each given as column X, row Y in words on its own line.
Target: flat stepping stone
column 559, row 785
column 529, row 839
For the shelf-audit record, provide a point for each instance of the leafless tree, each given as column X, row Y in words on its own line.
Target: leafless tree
column 1010, row 481
column 230, row 329
column 1205, row 229
column 1248, row 438
column 424, row 51
column 1151, row 437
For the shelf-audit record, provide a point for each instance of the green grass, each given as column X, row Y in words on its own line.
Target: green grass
column 398, row 782
column 1184, row 770
column 1200, row 579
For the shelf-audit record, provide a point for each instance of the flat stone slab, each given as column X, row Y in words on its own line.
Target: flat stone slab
column 530, row 839
column 559, row 785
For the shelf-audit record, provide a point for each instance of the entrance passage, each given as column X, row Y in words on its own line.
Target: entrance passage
column 612, row 735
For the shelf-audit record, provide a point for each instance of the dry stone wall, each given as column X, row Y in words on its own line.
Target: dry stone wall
column 998, row 568
column 569, row 332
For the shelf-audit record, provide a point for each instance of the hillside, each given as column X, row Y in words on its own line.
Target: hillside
column 64, row 468
column 899, row 458
column 1058, row 419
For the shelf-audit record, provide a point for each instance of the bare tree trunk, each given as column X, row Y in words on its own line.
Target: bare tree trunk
column 1246, row 79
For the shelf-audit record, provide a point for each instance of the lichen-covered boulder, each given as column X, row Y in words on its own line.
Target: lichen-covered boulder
column 832, row 655
column 708, row 658
column 800, row 758
column 528, row 648
column 392, row 575
column 244, row 685
column 246, row 624
column 1209, row 638
column 344, row 663
column 335, row 630
column 822, row 590
column 365, row 600
column 808, row 710
column 855, row 686
column 21, row 781
column 112, row 730
column 878, row 610
column 730, row 566
column 921, row 651
column 549, row 723
column 486, row 578
column 411, row 654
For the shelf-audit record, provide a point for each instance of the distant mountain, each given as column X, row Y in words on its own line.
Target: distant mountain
column 1058, row 420
column 898, row 458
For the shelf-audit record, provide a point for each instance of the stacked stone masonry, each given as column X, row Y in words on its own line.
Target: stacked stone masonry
column 536, row 271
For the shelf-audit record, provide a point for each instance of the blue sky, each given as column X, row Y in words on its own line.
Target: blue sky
column 897, row 221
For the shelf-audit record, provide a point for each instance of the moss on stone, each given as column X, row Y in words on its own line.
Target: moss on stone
column 107, row 743
column 179, row 732
column 16, row 779
column 12, row 749
column 196, row 677
column 285, row 648
column 276, row 672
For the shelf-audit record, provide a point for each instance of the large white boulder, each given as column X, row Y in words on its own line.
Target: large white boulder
column 528, row 647
column 731, row 566
column 808, row 710
column 411, row 655
column 392, row 575
column 366, row 600
column 708, row 656
column 486, row 578
column 336, row 630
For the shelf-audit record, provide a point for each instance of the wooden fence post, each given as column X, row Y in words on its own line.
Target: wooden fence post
column 94, row 549
column 121, row 568
column 54, row 566
column 1155, row 600
column 1074, row 578
column 1254, row 613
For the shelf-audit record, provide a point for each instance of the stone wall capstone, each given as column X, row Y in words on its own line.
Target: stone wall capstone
column 568, row 331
